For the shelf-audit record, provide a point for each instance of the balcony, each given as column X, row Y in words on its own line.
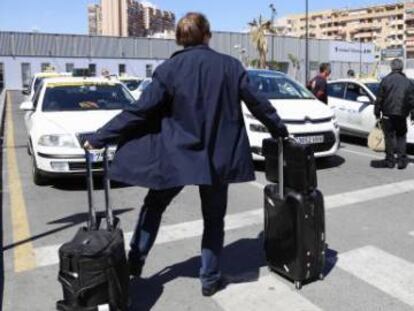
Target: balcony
column 409, row 43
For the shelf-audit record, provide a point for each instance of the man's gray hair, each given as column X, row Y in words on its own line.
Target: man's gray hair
column 397, row 65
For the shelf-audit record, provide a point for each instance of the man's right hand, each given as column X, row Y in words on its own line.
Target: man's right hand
column 282, row 132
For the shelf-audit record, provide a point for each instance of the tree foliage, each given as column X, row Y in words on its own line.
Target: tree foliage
column 259, row 28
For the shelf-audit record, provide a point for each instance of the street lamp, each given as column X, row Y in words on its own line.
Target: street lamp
column 272, row 19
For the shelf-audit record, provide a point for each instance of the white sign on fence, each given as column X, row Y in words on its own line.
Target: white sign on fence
column 351, row 52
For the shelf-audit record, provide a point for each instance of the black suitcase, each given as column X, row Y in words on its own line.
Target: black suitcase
column 299, row 164
column 93, row 268
column 294, row 234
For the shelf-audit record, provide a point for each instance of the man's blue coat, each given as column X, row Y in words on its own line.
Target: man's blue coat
column 187, row 128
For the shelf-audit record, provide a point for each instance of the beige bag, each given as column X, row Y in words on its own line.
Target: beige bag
column 376, row 140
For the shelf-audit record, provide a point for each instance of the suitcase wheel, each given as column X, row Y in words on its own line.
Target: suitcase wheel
column 298, row 285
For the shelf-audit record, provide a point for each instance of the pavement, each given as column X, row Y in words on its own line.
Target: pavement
column 370, row 232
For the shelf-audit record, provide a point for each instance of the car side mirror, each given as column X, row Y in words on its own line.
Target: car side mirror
column 27, row 106
column 26, row 92
column 363, row 99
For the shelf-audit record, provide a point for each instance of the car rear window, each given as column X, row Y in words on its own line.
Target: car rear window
column 86, row 97
column 132, row 85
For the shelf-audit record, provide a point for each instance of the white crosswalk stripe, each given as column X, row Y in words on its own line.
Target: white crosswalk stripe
column 265, row 294
column 47, row 255
column 388, row 273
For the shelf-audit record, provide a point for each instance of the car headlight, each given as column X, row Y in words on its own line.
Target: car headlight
column 59, row 140
column 335, row 122
column 258, row 128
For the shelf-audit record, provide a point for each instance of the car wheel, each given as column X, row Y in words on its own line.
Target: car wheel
column 39, row 179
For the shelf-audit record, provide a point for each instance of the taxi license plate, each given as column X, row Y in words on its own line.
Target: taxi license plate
column 97, row 156
column 311, row 140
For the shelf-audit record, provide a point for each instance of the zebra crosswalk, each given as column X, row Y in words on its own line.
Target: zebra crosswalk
column 391, row 275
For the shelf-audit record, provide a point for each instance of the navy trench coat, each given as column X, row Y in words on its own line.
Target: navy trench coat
column 187, row 127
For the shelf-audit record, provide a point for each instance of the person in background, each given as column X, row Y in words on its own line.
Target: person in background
column 393, row 105
column 319, row 84
column 195, row 136
column 351, row 74
column 105, row 73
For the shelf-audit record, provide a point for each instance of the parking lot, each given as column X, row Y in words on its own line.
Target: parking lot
column 370, row 232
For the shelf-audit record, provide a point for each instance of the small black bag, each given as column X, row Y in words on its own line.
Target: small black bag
column 93, row 266
column 299, row 164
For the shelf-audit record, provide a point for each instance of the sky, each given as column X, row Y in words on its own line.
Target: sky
column 70, row 16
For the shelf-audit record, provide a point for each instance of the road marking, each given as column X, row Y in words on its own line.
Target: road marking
column 24, row 258
column 373, row 156
column 48, row 255
column 411, row 233
column 268, row 293
column 369, row 194
column 388, row 273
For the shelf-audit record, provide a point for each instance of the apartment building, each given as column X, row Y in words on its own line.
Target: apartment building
column 383, row 25
column 95, row 19
column 409, row 29
column 129, row 18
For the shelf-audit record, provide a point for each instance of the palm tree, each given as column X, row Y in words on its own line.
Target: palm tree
column 258, row 30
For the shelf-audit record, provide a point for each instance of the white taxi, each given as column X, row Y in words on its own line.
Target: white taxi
column 37, row 80
column 63, row 110
column 353, row 102
column 307, row 119
column 132, row 83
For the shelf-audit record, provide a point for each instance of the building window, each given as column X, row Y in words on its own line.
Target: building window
column 92, row 70
column 1, row 76
column 26, row 75
column 121, row 69
column 45, row 67
column 148, row 70
column 70, row 67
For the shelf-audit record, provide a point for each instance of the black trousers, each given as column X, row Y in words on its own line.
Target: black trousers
column 395, row 132
column 213, row 207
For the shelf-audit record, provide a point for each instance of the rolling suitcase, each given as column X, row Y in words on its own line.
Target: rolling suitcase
column 93, row 268
column 294, row 235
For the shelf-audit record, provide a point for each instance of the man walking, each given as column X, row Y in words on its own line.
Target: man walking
column 394, row 104
column 319, row 84
column 187, row 129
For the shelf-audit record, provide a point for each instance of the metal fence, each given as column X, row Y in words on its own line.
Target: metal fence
column 239, row 45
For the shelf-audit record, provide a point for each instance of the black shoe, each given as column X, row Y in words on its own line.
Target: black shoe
column 210, row 291
column 402, row 164
column 382, row 164
column 135, row 265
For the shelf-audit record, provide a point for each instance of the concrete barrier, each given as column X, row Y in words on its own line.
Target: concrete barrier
column 3, row 96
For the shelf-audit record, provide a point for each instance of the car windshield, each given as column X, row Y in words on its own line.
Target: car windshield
column 144, row 85
column 277, row 86
column 86, row 97
column 373, row 87
column 36, row 84
column 132, row 84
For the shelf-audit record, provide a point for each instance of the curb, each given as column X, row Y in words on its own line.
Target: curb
column 3, row 96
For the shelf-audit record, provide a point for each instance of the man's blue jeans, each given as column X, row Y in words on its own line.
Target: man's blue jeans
column 213, row 206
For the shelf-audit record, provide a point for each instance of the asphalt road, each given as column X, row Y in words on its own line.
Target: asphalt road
column 370, row 231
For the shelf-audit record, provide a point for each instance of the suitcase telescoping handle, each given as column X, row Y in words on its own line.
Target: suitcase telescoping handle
column 93, row 222
column 280, row 168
